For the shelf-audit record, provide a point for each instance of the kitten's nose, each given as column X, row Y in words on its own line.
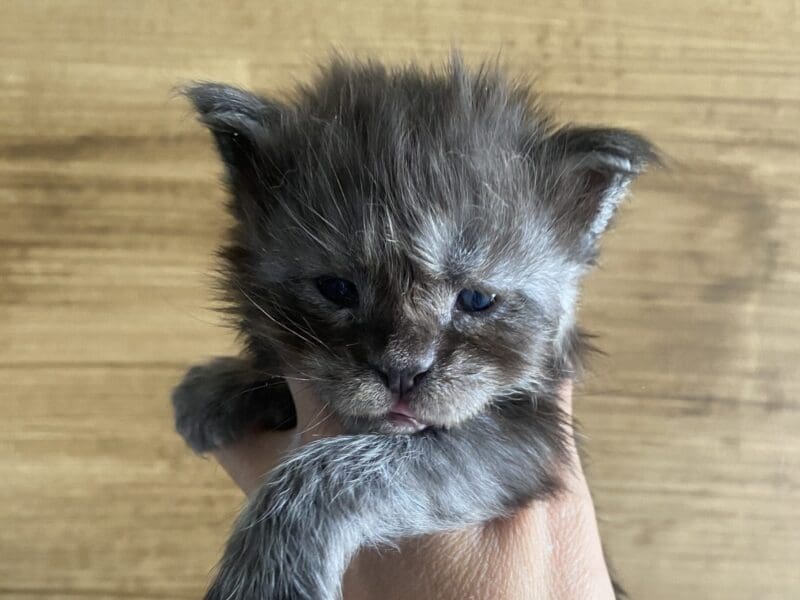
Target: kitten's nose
column 402, row 380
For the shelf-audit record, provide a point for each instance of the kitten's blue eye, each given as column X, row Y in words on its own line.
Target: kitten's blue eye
column 339, row 291
column 475, row 301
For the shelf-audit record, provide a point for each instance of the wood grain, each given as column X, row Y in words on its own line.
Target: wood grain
column 110, row 210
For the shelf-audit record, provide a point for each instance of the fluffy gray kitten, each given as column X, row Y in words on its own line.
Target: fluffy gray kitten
column 412, row 243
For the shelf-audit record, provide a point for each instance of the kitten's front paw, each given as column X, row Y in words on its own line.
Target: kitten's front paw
column 292, row 540
column 201, row 416
column 267, row 558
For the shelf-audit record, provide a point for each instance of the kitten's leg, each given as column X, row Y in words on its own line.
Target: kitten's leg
column 217, row 402
column 296, row 536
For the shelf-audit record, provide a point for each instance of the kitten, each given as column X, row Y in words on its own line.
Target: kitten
column 412, row 243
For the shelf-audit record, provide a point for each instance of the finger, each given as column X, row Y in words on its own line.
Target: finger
column 247, row 460
column 314, row 417
column 565, row 394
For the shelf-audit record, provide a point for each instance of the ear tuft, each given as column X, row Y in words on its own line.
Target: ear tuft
column 240, row 121
column 591, row 170
column 620, row 149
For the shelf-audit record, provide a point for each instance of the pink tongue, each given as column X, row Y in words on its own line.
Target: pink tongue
column 402, row 408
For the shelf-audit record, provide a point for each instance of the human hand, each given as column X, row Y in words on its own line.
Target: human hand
column 550, row 549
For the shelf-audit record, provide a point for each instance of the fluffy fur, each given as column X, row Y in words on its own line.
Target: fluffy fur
column 413, row 185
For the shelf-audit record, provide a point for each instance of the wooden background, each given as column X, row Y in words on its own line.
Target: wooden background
column 110, row 210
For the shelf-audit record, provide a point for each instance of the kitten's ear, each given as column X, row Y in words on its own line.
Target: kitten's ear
column 590, row 171
column 242, row 124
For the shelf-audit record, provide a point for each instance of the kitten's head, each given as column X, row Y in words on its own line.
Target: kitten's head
column 412, row 242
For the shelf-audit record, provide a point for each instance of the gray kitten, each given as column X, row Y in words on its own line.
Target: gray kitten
column 412, row 243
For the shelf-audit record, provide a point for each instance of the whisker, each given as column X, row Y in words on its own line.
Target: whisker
column 313, row 423
column 274, row 320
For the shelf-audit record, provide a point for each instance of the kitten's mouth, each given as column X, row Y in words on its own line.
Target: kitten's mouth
column 404, row 419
